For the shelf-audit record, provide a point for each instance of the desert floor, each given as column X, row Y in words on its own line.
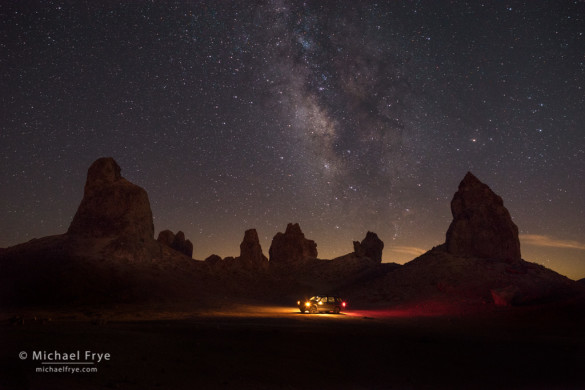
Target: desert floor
column 257, row 346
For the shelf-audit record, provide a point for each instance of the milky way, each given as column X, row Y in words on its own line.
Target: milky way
column 344, row 117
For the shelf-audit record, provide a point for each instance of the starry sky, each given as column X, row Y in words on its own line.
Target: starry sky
column 342, row 116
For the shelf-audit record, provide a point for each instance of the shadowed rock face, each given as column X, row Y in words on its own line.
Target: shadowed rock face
column 251, row 255
column 177, row 242
column 371, row 247
column 291, row 247
column 182, row 245
column 112, row 206
column 166, row 237
column 213, row 259
column 481, row 226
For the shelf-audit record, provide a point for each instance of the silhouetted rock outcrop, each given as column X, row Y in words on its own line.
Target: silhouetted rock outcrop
column 229, row 263
column 109, row 255
column 481, row 226
column 251, row 255
column 166, row 237
column 213, row 259
column 291, row 247
column 371, row 247
column 479, row 263
column 176, row 241
column 182, row 245
column 114, row 218
column 112, row 206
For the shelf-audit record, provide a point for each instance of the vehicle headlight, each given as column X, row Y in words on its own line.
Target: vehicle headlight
column 307, row 304
column 298, row 302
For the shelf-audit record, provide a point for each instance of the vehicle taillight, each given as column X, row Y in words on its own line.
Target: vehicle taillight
column 343, row 304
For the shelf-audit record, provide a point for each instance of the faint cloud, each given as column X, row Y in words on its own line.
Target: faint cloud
column 409, row 250
column 550, row 242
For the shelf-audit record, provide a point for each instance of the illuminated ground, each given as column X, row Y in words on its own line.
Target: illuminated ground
column 277, row 347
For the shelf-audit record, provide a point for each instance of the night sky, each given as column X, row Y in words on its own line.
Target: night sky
column 342, row 116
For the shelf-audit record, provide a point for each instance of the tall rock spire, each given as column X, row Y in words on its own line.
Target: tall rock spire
column 112, row 206
column 481, row 226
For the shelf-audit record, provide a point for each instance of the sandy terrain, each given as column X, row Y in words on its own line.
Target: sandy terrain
column 275, row 347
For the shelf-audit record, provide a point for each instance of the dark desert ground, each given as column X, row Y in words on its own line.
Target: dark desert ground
column 275, row 347
column 469, row 313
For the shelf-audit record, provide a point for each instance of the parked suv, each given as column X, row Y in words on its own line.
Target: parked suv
column 322, row 303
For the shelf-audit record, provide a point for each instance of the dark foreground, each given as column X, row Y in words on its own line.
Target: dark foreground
column 257, row 347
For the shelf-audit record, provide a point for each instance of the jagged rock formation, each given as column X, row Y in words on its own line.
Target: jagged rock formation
column 251, row 255
column 479, row 263
column 182, row 245
column 176, row 241
column 371, row 247
column 481, row 226
column 291, row 247
column 110, row 255
column 213, row 260
column 166, row 237
column 230, row 260
column 114, row 218
column 112, row 206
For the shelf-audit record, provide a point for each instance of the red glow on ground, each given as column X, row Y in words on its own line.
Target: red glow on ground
column 419, row 309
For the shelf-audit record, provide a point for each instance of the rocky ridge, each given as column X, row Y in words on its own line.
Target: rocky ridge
column 479, row 263
column 176, row 242
column 291, row 247
column 109, row 254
